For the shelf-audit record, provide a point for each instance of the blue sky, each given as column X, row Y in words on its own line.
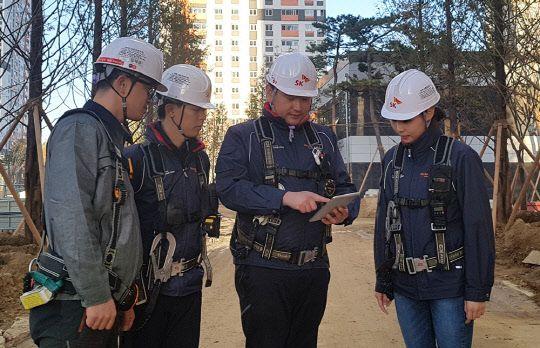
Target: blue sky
column 364, row 8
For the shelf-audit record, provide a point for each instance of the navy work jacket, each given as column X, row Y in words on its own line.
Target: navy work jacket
column 182, row 193
column 240, row 185
column 468, row 224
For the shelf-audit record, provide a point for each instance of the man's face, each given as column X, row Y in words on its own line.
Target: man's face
column 139, row 97
column 192, row 119
column 293, row 109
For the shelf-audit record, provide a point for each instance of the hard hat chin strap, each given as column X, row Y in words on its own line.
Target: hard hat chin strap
column 179, row 125
column 124, row 98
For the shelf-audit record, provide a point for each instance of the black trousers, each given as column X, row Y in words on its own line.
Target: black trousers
column 175, row 322
column 281, row 308
column 56, row 324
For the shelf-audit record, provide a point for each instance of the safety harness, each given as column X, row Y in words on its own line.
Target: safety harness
column 270, row 224
column 52, row 265
column 440, row 195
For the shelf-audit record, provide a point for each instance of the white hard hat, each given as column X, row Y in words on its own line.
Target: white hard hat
column 408, row 95
column 294, row 74
column 133, row 56
column 188, row 84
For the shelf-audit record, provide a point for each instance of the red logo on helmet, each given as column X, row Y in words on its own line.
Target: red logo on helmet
column 299, row 83
column 114, row 61
column 132, row 66
column 305, row 78
column 395, row 103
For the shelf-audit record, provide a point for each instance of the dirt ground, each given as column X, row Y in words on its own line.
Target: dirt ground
column 352, row 318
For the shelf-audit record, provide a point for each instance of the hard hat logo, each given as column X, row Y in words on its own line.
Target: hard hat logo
column 108, row 60
column 305, row 78
column 394, row 103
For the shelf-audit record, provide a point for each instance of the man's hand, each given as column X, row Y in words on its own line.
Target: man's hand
column 101, row 316
column 474, row 310
column 383, row 301
column 336, row 216
column 127, row 319
column 303, row 201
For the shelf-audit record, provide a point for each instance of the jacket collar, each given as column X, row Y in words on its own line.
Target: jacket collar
column 278, row 120
column 114, row 127
column 155, row 133
column 426, row 140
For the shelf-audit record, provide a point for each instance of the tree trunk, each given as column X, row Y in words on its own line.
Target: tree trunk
column 372, row 115
column 123, row 18
column 33, row 202
column 334, row 84
column 98, row 35
column 504, row 204
column 452, row 114
column 151, row 21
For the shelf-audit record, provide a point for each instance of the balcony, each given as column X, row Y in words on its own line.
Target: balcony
column 289, row 33
column 289, row 17
column 289, row 2
column 310, row 33
column 235, row 64
column 310, row 18
column 309, row 2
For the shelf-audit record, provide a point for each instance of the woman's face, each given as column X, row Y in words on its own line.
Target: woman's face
column 411, row 130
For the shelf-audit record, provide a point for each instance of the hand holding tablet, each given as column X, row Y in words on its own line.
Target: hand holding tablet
column 337, row 201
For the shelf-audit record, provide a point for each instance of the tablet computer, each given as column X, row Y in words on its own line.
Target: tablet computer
column 336, row 201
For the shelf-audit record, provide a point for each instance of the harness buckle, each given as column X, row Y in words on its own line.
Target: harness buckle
column 164, row 273
column 437, row 227
column 306, row 256
column 411, row 269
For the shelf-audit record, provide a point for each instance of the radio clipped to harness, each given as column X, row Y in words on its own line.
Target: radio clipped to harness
column 211, row 225
column 38, row 288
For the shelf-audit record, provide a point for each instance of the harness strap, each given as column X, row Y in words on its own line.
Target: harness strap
column 415, row 265
column 297, row 257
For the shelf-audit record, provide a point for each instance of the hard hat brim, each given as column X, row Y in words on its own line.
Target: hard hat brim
column 394, row 116
column 297, row 93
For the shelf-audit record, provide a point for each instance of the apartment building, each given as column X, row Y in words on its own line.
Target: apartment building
column 243, row 36
column 14, row 40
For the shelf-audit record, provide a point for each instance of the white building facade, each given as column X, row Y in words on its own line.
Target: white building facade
column 243, row 36
column 14, row 43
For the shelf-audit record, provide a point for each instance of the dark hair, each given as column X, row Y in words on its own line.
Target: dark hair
column 439, row 114
column 161, row 107
column 106, row 83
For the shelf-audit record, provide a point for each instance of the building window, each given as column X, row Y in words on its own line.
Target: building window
column 234, row 27
column 219, row 74
column 235, row 74
column 268, row 2
column 234, row 42
column 268, row 59
column 289, row 27
column 253, row 27
column 219, row 90
column 268, row 27
column 320, row 3
column 252, row 12
column 198, row 10
column 253, row 43
column 252, row 74
column 269, row 46
column 235, row 90
column 234, row 11
column 219, row 58
column 218, row 11
column 199, row 26
column 219, row 27
column 253, row 89
column 289, row 12
column 268, row 12
column 235, row 58
column 289, row 43
column 219, row 43
column 235, row 106
column 253, row 59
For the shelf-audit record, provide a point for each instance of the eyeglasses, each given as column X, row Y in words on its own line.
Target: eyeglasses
column 148, row 86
